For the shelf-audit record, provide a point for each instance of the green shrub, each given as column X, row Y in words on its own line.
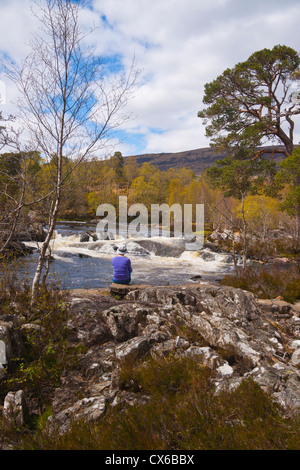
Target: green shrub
column 47, row 353
column 268, row 284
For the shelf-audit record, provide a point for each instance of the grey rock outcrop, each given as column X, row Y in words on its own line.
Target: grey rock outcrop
column 15, row 408
column 11, row 336
column 227, row 329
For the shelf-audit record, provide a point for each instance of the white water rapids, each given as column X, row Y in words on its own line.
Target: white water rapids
column 155, row 261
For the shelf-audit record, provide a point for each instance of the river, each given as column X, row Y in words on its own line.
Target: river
column 155, row 261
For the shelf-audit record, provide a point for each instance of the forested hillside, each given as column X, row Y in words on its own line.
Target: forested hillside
column 196, row 160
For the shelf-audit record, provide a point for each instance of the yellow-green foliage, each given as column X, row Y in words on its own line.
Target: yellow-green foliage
column 260, row 212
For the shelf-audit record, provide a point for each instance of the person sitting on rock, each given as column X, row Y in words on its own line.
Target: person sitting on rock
column 121, row 267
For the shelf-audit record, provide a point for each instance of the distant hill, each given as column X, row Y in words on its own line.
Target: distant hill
column 196, row 160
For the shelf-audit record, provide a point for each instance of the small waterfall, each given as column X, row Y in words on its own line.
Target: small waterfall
column 83, row 260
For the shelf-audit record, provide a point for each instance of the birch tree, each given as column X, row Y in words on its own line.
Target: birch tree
column 69, row 103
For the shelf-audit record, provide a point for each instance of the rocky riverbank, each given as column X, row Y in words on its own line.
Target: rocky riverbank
column 29, row 230
column 229, row 330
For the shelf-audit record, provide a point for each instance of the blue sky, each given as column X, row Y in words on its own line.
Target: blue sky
column 178, row 44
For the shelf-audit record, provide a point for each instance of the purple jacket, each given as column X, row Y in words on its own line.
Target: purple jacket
column 122, row 268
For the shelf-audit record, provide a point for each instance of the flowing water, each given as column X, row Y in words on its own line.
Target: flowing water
column 155, row 261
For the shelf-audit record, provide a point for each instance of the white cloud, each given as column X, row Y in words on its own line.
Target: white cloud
column 180, row 45
column 16, row 25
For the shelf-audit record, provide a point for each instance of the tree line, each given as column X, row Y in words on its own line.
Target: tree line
column 246, row 198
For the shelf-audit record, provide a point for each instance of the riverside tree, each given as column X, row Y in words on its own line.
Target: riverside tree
column 289, row 173
column 239, row 179
column 251, row 105
column 69, row 102
column 15, row 175
column 17, row 191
